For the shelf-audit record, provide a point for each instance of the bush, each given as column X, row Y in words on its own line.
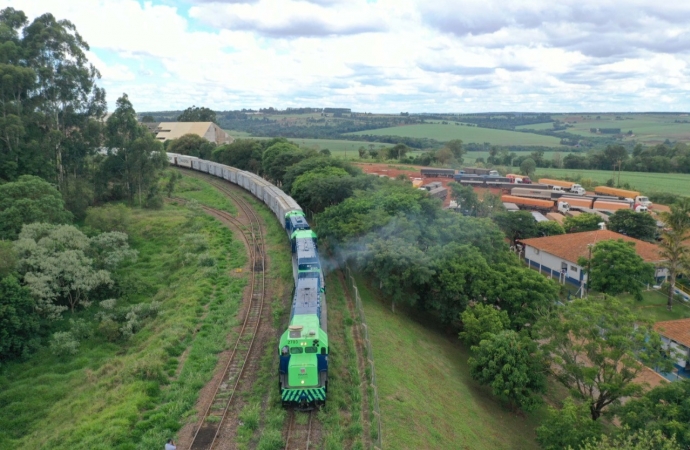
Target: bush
column 109, row 218
column 64, row 343
column 567, row 427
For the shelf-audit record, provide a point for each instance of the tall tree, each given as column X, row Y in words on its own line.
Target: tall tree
column 27, row 200
column 196, row 114
column 673, row 245
column 528, row 166
column 135, row 158
column 633, row 224
column 597, row 349
column 50, row 104
column 513, row 366
column 455, row 146
column 517, row 225
column 615, row 267
column 481, row 321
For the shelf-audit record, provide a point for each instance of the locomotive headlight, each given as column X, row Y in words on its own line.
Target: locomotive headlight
column 302, row 381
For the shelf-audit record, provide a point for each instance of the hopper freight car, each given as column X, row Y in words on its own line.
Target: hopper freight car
column 433, row 172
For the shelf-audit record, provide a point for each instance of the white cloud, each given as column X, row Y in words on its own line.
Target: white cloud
column 389, row 55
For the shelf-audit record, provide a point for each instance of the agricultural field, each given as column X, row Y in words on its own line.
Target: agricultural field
column 536, row 126
column 467, row 134
column 674, row 183
column 648, row 129
column 427, row 397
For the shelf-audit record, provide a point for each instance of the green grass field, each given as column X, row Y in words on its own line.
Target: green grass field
column 653, row 307
column 674, row 183
column 536, row 126
column 427, row 398
column 467, row 134
column 647, row 128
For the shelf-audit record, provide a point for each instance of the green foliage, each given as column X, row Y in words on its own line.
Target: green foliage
column 278, row 157
column 673, row 246
column 311, row 164
column 61, row 266
column 244, row 154
column 528, row 166
column 615, row 267
column 19, row 324
column 27, row 200
column 192, row 145
column 549, row 228
column 639, row 440
column 8, row 258
column 135, row 159
column 110, row 217
column 595, row 348
column 64, row 343
column 664, row 409
column 481, row 321
column 197, row 114
column 633, row 224
column 517, row 225
column 567, row 427
column 523, row 293
column 581, row 222
column 512, row 365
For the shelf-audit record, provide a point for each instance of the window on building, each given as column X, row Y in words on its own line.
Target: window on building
column 573, row 268
column 536, row 251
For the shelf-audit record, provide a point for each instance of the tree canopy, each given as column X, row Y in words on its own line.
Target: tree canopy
column 27, row 200
column 615, row 267
column 582, row 222
column 197, row 114
column 512, row 365
column 630, row 223
column 192, row 145
column 596, row 350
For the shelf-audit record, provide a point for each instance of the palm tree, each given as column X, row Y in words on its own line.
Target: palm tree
column 673, row 243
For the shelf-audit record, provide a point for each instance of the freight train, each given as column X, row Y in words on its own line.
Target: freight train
column 303, row 347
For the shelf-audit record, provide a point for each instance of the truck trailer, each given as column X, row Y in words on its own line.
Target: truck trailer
column 537, row 204
column 567, row 185
column 480, row 171
column 624, row 194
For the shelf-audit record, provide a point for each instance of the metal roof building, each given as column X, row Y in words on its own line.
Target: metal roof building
column 208, row 130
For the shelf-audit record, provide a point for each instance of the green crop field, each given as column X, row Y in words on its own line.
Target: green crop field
column 647, row 128
column 536, row 126
column 674, row 183
column 427, row 397
column 467, row 134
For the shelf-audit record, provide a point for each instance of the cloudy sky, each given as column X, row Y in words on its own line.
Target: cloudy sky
column 387, row 55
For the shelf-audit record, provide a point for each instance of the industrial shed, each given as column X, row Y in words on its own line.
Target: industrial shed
column 557, row 256
column 208, row 130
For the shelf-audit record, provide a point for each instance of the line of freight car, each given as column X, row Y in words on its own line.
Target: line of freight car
column 433, row 172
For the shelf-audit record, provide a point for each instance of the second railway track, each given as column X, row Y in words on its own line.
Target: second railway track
column 208, row 431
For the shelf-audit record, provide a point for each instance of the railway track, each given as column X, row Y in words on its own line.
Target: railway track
column 298, row 434
column 208, row 432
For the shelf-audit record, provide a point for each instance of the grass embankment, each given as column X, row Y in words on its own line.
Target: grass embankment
column 427, row 397
column 653, row 307
column 134, row 394
column 468, row 134
column 193, row 188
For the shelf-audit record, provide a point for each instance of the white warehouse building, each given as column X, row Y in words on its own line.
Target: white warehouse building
column 557, row 256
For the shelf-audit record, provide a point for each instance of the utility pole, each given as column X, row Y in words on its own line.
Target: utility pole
column 620, row 165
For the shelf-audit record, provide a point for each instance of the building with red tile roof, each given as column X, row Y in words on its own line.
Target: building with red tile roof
column 557, row 256
column 676, row 335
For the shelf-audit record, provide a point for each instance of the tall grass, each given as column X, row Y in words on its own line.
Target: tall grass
column 133, row 394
